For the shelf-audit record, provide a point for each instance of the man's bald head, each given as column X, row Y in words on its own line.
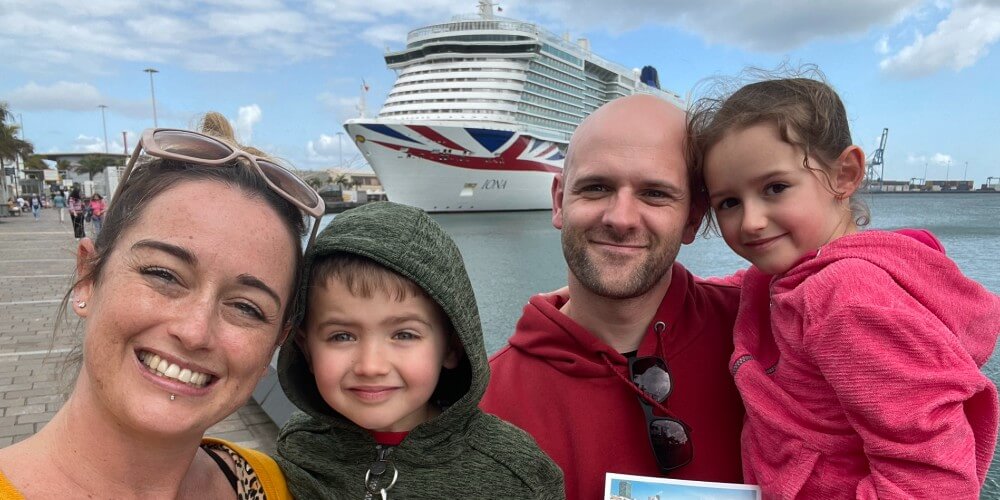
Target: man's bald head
column 638, row 121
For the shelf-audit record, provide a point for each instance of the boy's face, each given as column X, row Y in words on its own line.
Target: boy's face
column 376, row 361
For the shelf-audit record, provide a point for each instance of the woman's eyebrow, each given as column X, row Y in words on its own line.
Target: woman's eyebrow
column 190, row 259
column 174, row 250
column 255, row 282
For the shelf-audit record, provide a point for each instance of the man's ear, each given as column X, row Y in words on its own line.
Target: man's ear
column 850, row 171
column 557, row 201
column 695, row 216
column 84, row 290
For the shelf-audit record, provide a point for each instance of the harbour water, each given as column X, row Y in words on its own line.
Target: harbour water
column 512, row 255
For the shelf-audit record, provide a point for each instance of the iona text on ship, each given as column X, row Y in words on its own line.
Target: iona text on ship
column 482, row 111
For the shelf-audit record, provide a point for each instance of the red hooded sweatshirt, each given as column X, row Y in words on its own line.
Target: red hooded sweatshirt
column 558, row 382
column 859, row 368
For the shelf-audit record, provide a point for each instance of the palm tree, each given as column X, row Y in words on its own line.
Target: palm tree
column 94, row 164
column 11, row 146
column 34, row 162
column 315, row 182
column 342, row 180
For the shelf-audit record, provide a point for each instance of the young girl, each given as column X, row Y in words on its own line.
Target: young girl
column 857, row 353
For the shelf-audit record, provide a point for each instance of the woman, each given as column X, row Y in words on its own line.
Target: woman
column 76, row 213
column 36, row 206
column 184, row 307
column 59, row 202
column 96, row 210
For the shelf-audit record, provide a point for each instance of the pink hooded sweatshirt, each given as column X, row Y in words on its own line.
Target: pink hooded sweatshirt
column 859, row 369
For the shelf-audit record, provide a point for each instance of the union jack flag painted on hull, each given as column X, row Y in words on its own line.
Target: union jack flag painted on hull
column 471, row 148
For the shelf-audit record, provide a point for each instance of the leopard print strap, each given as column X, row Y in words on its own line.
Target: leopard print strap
column 248, row 486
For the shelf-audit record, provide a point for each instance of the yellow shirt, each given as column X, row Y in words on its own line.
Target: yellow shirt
column 272, row 481
column 7, row 490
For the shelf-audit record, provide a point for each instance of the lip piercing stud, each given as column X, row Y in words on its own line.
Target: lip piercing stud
column 173, row 397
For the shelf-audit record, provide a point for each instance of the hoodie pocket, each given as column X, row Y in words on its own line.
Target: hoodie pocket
column 780, row 464
column 775, row 451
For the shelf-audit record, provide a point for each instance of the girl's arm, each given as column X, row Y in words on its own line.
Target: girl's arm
column 925, row 412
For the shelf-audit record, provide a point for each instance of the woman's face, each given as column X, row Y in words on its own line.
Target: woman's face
column 189, row 303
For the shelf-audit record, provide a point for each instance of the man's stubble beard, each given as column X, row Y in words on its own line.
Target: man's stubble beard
column 605, row 279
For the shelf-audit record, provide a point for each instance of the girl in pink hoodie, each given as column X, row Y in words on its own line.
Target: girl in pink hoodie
column 857, row 353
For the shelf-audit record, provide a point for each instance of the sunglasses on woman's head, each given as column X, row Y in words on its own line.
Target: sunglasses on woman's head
column 669, row 437
column 201, row 149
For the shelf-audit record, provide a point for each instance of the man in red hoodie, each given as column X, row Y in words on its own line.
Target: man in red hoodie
column 623, row 204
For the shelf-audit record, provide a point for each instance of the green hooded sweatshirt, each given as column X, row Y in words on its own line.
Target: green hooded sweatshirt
column 461, row 453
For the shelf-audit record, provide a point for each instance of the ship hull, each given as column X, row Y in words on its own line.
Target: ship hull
column 456, row 168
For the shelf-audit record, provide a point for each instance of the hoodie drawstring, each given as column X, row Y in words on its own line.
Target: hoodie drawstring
column 656, row 404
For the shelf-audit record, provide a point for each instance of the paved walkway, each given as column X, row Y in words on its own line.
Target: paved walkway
column 36, row 262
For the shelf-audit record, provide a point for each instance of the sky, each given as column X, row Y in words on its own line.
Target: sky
column 288, row 73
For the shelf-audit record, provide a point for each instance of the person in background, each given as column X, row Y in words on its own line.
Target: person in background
column 389, row 367
column 36, row 206
column 176, row 332
column 59, row 202
column 96, row 211
column 76, row 213
column 629, row 373
column 858, row 353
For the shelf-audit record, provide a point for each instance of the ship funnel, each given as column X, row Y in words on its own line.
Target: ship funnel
column 584, row 44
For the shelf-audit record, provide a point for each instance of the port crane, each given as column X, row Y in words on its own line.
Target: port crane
column 876, row 167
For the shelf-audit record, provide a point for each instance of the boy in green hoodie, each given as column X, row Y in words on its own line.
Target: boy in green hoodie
column 389, row 366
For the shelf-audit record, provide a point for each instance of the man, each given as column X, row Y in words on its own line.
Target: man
column 624, row 206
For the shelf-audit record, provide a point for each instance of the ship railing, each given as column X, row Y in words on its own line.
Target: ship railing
column 474, row 22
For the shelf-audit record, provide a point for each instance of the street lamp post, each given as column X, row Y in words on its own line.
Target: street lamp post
column 947, row 172
column 340, row 147
column 104, row 123
column 152, row 92
column 17, row 158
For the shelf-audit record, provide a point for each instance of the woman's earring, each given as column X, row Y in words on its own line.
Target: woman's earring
column 81, row 304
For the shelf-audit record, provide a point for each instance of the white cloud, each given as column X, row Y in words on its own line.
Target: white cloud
column 326, row 149
column 935, row 159
column 373, row 10
column 70, row 96
column 749, row 24
column 76, row 96
column 342, row 107
column 247, row 117
column 325, row 152
column 959, row 41
column 882, row 47
column 941, row 159
column 68, row 36
column 87, row 144
column 382, row 35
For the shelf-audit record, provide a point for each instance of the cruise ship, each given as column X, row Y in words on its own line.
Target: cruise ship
column 482, row 111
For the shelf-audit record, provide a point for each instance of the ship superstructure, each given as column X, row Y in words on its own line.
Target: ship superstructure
column 482, row 110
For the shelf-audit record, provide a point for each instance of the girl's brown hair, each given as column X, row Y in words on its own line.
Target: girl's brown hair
column 807, row 111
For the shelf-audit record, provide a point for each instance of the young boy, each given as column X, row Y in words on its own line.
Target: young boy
column 389, row 367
